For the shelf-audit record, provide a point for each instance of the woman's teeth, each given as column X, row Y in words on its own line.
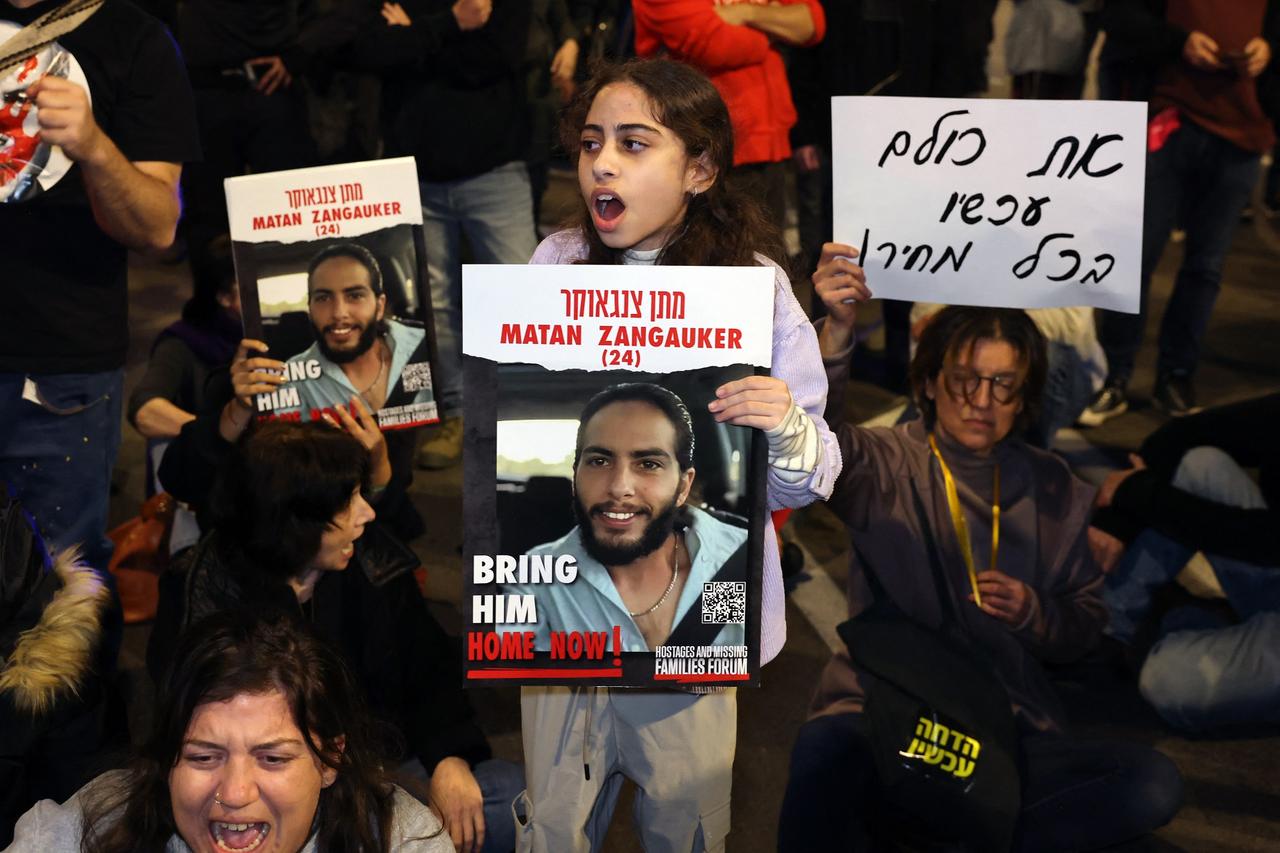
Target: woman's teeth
column 609, row 207
column 239, row 837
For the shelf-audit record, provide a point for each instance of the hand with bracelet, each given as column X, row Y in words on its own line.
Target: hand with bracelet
column 249, row 376
column 765, row 402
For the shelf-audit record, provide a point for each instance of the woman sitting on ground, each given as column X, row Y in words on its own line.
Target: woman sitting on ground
column 290, row 527
column 171, row 391
column 977, row 377
column 260, row 741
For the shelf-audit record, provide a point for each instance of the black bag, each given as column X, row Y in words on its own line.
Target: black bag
column 940, row 722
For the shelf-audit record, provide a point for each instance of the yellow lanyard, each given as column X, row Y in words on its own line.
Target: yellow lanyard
column 962, row 526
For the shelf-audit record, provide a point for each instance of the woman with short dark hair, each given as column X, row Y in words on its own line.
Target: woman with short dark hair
column 1009, row 523
column 290, row 527
column 260, row 740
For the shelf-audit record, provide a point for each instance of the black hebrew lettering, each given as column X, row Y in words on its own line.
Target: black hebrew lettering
column 1075, row 265
column 916, row 258
column 949, row 254
column 971, row 209
column 1001, row 202
column 900, row 144
column 892, row 148
column 1028, row 265
column 1085, row 161
column 1093, row 275
column 893, row 253
column 1031, row 216
column 926, row 149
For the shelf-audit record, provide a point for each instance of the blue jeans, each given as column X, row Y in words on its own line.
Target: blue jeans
column 1076, row 794
column 1201, row 674
column 500, row 783
column 1201, row 181
column 495, row 212
column 56, row 457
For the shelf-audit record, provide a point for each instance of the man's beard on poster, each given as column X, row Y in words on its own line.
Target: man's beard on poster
column 660, row 526
column 368, row 335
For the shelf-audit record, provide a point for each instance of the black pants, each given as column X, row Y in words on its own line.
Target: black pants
column 242, row 130
column 1077, row 794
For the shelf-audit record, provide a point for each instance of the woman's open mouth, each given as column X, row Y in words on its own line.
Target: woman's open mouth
column 238, row 837
column 606, row 209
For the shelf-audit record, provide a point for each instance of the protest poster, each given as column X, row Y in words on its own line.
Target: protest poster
column 615, row 539
column 1026, row 204
column 332, row 271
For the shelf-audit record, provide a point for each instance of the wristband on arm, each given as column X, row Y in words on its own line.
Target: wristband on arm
column 794, row 449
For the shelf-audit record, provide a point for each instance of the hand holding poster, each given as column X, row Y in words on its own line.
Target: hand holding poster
column 330, row 262
column 614, row 527
column 1029, row 204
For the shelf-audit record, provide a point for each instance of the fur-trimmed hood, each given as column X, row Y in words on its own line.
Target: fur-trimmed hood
column 53, row 657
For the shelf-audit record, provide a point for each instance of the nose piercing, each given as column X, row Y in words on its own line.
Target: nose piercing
column 217, row 797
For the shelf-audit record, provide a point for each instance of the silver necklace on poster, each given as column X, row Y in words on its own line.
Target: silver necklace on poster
column 675, row 573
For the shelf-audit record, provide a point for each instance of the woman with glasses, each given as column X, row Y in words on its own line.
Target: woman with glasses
column 1008, row 522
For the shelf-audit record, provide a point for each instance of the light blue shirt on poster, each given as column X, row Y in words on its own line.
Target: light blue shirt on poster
column 592, row 602
column 332, row 387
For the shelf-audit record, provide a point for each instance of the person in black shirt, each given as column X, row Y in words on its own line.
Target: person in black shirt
column 455, row 92
column 115, row 128
column 244, row 58
column 1189, row 491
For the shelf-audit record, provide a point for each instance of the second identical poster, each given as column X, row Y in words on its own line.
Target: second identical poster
column 331, row 265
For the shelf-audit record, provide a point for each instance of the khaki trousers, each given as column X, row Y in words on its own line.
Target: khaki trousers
column 676, row 747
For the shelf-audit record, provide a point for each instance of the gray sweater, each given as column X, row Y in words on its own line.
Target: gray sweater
column 52, row 828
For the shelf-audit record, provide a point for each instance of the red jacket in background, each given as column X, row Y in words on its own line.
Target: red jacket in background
column 741, row 63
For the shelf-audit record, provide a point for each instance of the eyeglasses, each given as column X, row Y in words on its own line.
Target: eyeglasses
column 964, row 384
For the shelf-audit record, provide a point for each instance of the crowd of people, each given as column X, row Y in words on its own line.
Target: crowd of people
column 308, row 700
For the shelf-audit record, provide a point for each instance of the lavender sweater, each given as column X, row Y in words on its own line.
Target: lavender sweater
column 798, row 362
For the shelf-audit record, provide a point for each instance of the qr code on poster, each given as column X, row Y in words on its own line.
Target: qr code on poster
column 417, row 376
column 724, row 603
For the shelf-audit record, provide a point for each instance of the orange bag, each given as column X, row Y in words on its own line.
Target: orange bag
column 141, row 554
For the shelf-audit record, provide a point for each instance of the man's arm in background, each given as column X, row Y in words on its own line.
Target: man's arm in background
column 136, row 204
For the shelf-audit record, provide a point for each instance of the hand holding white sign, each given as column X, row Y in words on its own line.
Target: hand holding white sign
column 841, row 284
